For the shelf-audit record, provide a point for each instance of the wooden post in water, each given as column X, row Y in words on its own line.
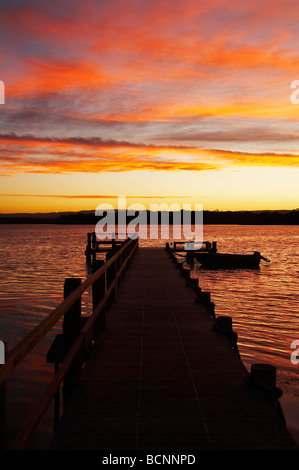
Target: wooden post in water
column 71, row 328
column 264, row 376
column 3, row 402
column 264, row 373
column 94, row 240
column 190, row 257
column 224, row 324
column 88, row 250
column 98, row 293
column 89, row 241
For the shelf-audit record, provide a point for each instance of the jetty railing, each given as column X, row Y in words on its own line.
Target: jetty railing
column 68, row 350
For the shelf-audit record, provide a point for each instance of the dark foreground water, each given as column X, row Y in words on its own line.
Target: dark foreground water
column 264, row 304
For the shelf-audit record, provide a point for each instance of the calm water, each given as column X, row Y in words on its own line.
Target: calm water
column 264, row 304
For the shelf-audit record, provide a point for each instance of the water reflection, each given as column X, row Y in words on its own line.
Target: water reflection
column 264, row 303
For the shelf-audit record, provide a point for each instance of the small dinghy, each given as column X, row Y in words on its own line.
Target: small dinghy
column 229, row 261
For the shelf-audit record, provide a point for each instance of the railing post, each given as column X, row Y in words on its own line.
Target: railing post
column 111, row 274
column 71, row 328
column 120, row 263
column 3, row 404
column 123, row 259
column 98, row 293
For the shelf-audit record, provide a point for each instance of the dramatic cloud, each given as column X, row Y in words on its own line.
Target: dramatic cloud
column 76, row 154
column 109, row 87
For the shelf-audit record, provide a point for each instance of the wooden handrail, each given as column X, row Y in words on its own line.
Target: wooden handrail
column 30, row 425
column 20, row 351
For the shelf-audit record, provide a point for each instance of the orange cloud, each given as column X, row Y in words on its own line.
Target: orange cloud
column 161, row 44
column 127, row 61
column 46, row 78
column 79, row 155
column 73, row 155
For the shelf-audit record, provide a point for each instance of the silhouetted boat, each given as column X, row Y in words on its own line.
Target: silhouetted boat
column 229, row 261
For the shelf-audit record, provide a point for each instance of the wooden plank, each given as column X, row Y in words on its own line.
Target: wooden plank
column 160, row 377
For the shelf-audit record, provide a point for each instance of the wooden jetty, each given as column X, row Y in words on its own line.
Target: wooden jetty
column 95, row 246
column 153, row 368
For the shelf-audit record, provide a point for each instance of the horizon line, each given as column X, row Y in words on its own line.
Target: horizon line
column 148, row 210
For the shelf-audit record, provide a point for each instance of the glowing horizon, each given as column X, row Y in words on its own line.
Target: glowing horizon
column 183, row 99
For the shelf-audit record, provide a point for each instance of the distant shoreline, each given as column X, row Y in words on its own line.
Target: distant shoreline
column 209, row 218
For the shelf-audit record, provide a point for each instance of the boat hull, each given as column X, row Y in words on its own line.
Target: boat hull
column 227, row 261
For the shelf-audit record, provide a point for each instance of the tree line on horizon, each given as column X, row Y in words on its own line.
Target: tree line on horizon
column 209, row 217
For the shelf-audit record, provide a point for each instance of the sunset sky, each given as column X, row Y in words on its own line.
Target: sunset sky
column 182, row 101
